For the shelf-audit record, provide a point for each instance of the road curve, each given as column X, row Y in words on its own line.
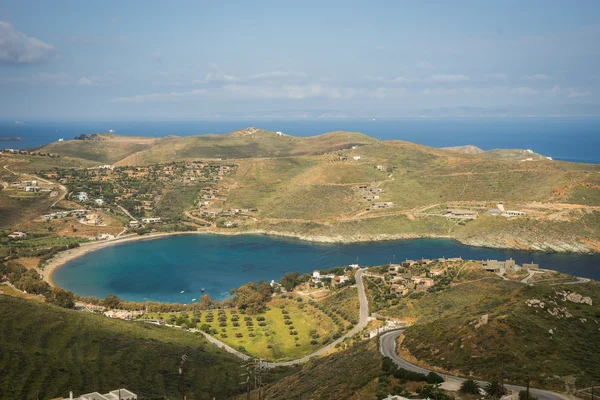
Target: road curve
column 387, row 347
column 362, row 323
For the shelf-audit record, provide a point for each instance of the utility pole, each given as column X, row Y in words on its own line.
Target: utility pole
column 592, row 390
column 527, row 388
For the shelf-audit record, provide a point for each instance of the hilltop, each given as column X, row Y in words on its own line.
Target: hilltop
column 244, row 143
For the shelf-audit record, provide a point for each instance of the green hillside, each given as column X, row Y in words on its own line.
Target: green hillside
column 519, row 339
column 47, row 351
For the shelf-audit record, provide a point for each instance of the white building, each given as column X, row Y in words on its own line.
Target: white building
column 82, row 196
column 153, row 220
column 316, row 275
column 356, row 158
column 17, row 235
column 106, row 236
column 134, row 224
column 106, row 166
column 122, row 394
column 100, row 202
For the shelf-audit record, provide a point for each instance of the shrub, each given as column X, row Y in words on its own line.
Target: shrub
column 314, row 342
column 262, row 323
column 222, row 324
column 260, row 318
column 286, row 317
column 239, row 335
column 288, row 322
column 236, row 324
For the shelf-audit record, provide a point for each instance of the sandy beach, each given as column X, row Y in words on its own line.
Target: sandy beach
column 63, row 257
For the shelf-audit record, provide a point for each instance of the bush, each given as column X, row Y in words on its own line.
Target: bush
column 236, row 324
column 262, row 323
column 524, row 396
column 288, row 322
column 434, row 378
column 314, row 342
column 260, row 318
column 239, row 335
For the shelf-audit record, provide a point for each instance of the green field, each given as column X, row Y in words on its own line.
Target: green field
column 267, row 335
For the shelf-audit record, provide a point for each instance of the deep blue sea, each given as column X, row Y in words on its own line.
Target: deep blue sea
column 568, row 139
column 160, row 269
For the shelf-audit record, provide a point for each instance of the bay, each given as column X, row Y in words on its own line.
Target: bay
column 159, row 269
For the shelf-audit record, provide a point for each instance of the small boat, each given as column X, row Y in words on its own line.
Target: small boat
column 202, row 290
column 193, row 300
column 183, row 291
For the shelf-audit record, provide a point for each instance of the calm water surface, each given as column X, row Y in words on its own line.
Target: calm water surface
column 160, row 269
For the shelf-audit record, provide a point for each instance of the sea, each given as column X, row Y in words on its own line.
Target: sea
column 178, row 268
column 568, row 138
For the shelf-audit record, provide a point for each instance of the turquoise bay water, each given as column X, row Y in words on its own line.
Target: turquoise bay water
column 160, row 269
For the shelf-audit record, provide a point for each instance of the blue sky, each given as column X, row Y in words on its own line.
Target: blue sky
column 134, row 59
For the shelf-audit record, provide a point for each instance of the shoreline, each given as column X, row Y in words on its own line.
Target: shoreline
column 66, row 256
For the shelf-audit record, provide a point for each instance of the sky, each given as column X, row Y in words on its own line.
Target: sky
column 218, row 59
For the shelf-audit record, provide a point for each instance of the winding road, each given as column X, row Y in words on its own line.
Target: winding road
column 387, row 347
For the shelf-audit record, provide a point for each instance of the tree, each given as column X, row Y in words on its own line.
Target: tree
column 205, row 328
column 205, row 301
column 495, row 390
column 289, row 280
column 470, row 387
column 111, row 301
column 61, row 298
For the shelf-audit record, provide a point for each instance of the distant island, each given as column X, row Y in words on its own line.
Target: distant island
column 10, row 139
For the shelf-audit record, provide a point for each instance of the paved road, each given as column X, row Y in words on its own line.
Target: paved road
column 388, row 349
column 362, row 323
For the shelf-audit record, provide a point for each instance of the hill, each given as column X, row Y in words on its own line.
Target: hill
column 103, row 149
column 344, row 186
column 338, row 376
column 542, row 331
column 245, row 143
column 46, row 351
column 467, row 149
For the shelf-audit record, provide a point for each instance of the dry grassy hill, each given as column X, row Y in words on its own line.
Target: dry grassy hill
column 309, row 187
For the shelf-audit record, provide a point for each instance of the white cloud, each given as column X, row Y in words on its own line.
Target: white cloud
column 496, row 77
column 84, row 81
column 402, row 79
column 524, row 90
column 573, row 93
column 555, row 90
column 425, row 65
column 537, row 77
column 170, row 96
column 445, row 78
column 295, row 91
column 218, row 76
column 375, row 78
column 18, row 48
column 277, row 74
